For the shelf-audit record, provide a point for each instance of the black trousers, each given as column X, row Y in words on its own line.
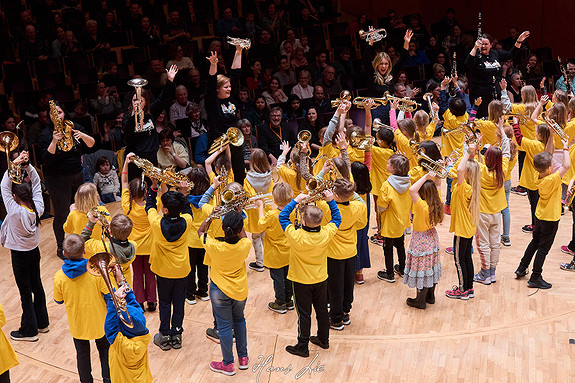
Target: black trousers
column 340, row 283
column 533, row 196
column 197, row 263
column 26, row 268
column 520, row 160
column 62, row 189
column 571, row 244
column 171, row 293
column 463, row 261
column 388, row 245
column 238, row 163
column 5, row 377
column 305, row 296
column 84, row 362
column 282, row 287
column 543, row 237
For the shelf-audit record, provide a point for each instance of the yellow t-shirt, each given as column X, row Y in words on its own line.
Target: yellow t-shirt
column 276, row 249
column 429, row 132
column 85, row 306
column 395, row 218
column 199, row 216
column 549, row 205
column 529, row 175
column 308, row 253
column 403, row 146
column 453, row 141
column 290, row 177
column 492, row 197
column 421, row 216
column 353, row 218
column 8, row 358
column 571, row 172
column 228, row 268
column 169, row 259
column 356, row 154
column 128, row 358
column 510, row 167
column 489, row 131
column 141, row 233
column 330, row 151
column 77, row 220
column 378, row 173
column 212, row 175
column 94, row 246
column 527, row 126
column 415, row 173
column 253, row 214
column 461, row 224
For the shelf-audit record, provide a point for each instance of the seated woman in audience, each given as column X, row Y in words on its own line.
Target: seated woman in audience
column 293, row 108
column 148, row 35
column 71, row 46
column 533, row 68
column 415, row 56
column 438, row 75
column 271, row 93
column 312, row 124
column 401, row 78
column 177, row 58
column 303, row 89
column 171, row 153
column 259, row 115
column 290, row 37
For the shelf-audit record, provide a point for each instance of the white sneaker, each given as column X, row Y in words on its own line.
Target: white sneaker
column 191, row 301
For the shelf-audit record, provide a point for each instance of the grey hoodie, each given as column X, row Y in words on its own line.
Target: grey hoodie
column 399, row 183
column 260, row 181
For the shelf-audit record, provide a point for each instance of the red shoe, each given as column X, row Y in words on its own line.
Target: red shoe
column 447, row 209
column 567, row 250
column 359, row 278
column 244, row 363
column 222, row 368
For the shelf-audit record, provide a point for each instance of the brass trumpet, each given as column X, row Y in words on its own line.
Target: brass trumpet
column 138, row 84
column 373, row 36
column 168, row 176
column 359, row 102
column 244, row 43
column 233, row 136
column 509, row 117
column 343, row 96
column 9, row 142
column 267, row 198
column 361, row 141
column 302, row 137
column 377, row 125
column 429, row 98
column 431, row 165
column 405, row 104
column 555, row 126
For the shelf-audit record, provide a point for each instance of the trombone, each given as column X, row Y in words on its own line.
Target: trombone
column 373, row 36
column 138, row 84
column 555, row 126
column 244, row 43
column 345, row 95
column 233, row 136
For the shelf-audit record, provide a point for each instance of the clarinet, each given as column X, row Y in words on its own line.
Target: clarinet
column 479, row 33
column 564, row 73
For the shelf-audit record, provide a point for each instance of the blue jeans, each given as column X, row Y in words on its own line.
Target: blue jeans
column 505, row 214
column 282, row 287
column 229, row 313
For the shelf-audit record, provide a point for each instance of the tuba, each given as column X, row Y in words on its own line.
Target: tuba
column 168, row 176
column 9, row 142
column 138, row 84
column 65, row 127
column 345, row 95
column 244, row 43
column 555, row 126
column 361, row 141
column 233, row 136
column 373, row 36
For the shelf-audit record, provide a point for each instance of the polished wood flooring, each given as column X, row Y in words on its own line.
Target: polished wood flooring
column 507, row 333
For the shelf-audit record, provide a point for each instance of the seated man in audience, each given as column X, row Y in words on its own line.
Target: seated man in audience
column 319, row 101
column 178, row 108
column 175, row 30
column 329, row 83
column 228, row 25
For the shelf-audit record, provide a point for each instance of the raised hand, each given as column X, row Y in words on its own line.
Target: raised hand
column 503, row 84
column 213, row 59
column 172, row 72
column 523, row 36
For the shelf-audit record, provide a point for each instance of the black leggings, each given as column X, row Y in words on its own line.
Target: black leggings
column 388, row 245
column 463, row 261
column 533, row 196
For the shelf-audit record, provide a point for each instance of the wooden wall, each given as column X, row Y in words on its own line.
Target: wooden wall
column 551, row 22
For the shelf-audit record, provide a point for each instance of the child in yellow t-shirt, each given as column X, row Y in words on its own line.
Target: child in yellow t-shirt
column 79, row 291
column 308, row 269
column 8, row 358
column 276, row 248
column 85, row 199
column 423, row 263
column 547, row 214
column 394, row 203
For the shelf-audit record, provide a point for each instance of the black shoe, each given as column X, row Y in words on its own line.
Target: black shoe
column 346, row 321
column 336, row 325
column 16, row 335
column 60, row 254
column 537, row 281
column 256, row 267
column 527, row 229
column 419, row 301
column 295, row 350
column 388, row 277
column 398, row 270
column 315, row 340
column 519, row 273
column 212, row 334
column 177, row 341
column 430, row 297
column 151, row 306
column 163, row 341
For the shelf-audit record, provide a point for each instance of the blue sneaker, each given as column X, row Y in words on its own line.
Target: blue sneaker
column 483, row 276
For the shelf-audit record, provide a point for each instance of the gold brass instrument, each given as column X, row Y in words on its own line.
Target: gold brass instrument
column 429, row 98
column 564, row 73
column 345, row 95
column 333, row 172
column 359, row 102
column 469, row 129
column 431, row 165
column 555, row 126
column 233, row 136
column 373, row 36
column 302, row 137
column 104, row 263
column 568, row 201
column 267, row 198
column 168, row 176
column 377, row 125
column 405, row 104
column 222, row 186
column 9, row 142
column 138, row 84
column 523, row 118
column 317, row 159
column 244, row 43
column 360, row 141
column 65, row 127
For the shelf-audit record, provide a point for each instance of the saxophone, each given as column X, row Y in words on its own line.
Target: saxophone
column 65, row 127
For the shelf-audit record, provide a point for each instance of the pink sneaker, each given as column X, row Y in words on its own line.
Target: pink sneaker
column 222, row 368
column 566, row 250
column 456, row 293
column 244, row 363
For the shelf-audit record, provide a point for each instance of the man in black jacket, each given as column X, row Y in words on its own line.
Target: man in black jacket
column 272, row 135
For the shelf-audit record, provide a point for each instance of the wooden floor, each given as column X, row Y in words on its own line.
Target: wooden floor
column 508, row 333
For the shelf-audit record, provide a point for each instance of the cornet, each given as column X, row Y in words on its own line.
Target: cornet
column 377, row 125
column 244, row 43
column 233, row 136
column 430, row 164
column 555, row 126
column 302, row 137
column 360, row 141
column 9, row 142
column 373, row 36
column 405, row 104
column 343, row 96
column 267, row 198
column 138, row 84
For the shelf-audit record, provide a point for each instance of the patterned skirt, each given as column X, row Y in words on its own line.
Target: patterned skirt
column 423, row 261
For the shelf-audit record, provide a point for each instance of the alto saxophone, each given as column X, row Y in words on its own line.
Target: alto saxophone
column 66, row 143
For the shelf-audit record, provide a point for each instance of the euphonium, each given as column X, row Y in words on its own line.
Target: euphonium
column 555, row 126
column 138, row 84
column 360, row 141
column 233, row 136
column 9, row 142
column 168, row 176
column 359, row 102
column 345, row 95
column 244, row 43
column 65, row 127
column 430, row 164
column 373, row 35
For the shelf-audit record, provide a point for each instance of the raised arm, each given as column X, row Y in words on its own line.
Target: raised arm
column 237, row 63
column 125, row 180
column 539, row 108
column 414, row 189
column 566, row 158
column 469, row 153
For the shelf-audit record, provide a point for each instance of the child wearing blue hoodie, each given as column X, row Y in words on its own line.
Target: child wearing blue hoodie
column 80, row 292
